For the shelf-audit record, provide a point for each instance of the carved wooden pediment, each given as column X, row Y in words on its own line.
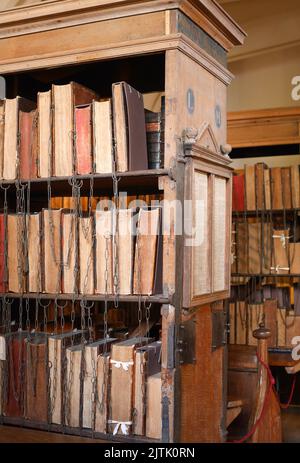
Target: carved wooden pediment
column 202, row 142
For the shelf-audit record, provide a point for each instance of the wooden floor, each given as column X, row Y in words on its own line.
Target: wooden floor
column 12, row 434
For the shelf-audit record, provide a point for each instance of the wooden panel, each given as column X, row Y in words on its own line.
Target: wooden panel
column 219, row 242
column 202, row 383
column 91, row 36
column 201, row 264
column 264, row 127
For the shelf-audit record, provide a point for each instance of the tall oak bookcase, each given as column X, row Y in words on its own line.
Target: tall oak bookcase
column 178, row 47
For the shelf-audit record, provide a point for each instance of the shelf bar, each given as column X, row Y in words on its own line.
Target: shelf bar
column 157, row 298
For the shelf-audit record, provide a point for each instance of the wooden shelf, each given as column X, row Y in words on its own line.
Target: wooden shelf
column 157, row 298
column 289, row 275
column 135, row 181
column 270, row 212
column 22, row 422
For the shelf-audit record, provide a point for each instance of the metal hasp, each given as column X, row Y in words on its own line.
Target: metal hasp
column 186, row 342
column 219, row 329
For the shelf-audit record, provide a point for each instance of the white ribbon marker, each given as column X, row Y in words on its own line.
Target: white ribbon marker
column 119, row 364
column 123, row 424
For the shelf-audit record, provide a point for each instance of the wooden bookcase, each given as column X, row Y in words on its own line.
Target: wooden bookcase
column 178, row 48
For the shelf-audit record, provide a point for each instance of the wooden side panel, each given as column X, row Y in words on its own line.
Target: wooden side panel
column 196, row 85
column 202, row 384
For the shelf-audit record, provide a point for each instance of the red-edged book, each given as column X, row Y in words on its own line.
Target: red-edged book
column 28, row 145
column 2, row 254
column 238, row 193
column 83, row 121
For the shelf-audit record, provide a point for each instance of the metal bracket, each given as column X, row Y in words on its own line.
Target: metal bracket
column 187, row 342
column 219, row 330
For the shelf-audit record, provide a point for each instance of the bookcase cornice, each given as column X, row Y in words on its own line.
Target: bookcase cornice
column 34, row 18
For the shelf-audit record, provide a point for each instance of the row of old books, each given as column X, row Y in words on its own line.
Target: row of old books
column 70, row 130
column 245, row 318
column 260, row 188
column 258, row 248
column 55, row 251
column 64, row 380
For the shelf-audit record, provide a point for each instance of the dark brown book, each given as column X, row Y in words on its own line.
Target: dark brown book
column 15, row 391
column 129, row 128
column 260, row 190
column 286, row 187
column 28, row 156
column 36, row 378
column 276, row 188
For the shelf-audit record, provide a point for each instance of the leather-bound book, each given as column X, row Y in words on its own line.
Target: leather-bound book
column 65, row 98
column 129, row 128
column 238, row 193
column 2, row 125
column 3, row 263
column 45, row 134
column 52, row 250
column 254, row 248
column 286, row 187
column 11, row 135
column 16, row 236
column 146, row 251
column 90, row 375
column 125, row 251
column 294, row 258
column 104, row 251
column 57, row 345
column 122, row 379
column 155, row 133
column 86, row 255
column 280, row 259
column 147, row 363
column 36, row 374
column 69, row 251
column 260, row 168
column 28, row 162
column 34, row 253
column 276, row 188
column 74, row 385
column 267, row 189
column 242, row 247
column 295, row 186
column 154, row 407
column 14, row 396
column 102, row 395
column 250, row 188
column 103, row 136
column 83, row 127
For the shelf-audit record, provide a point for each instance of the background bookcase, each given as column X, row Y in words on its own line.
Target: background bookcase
column 175, row 48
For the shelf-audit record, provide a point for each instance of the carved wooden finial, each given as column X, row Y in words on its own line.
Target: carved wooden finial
column 262, row 332
column 226, row 149
column 190, row 136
